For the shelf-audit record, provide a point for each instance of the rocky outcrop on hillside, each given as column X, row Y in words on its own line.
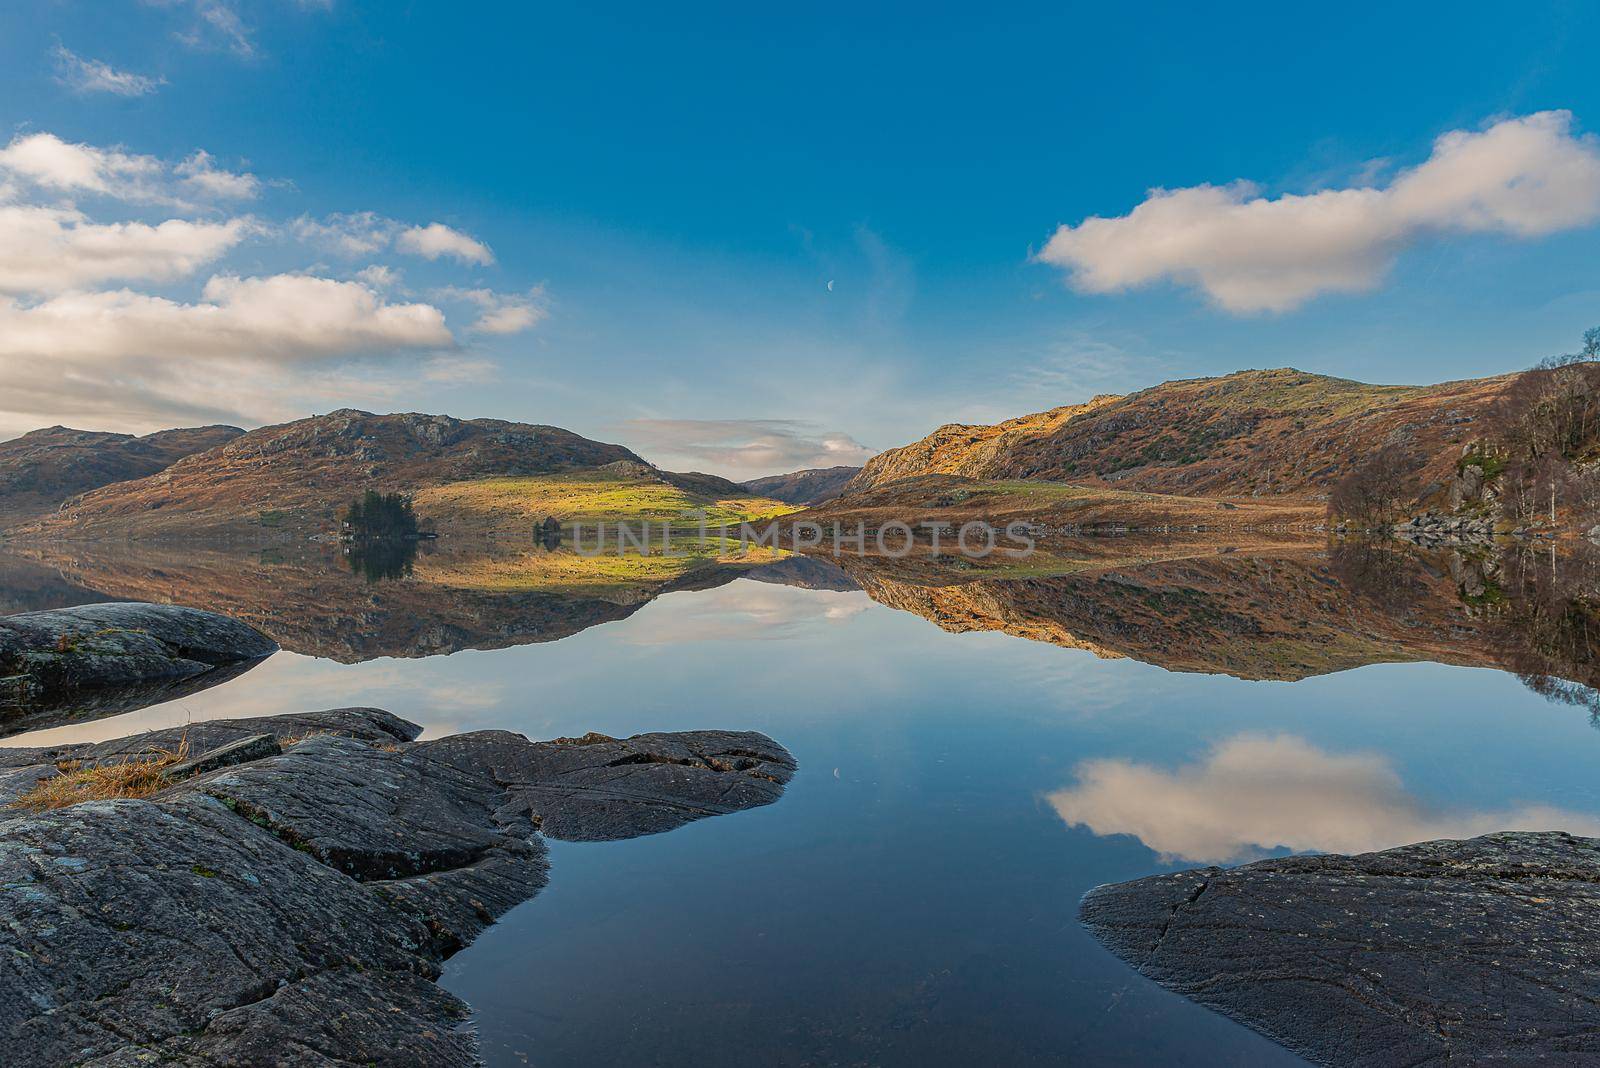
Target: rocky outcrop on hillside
column 291, row 480
column 40, row 470
column 99, row 659
column 811, row 486
column 1458, row 952
column 294, row 909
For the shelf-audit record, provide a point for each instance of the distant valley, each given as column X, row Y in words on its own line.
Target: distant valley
column 813, row 486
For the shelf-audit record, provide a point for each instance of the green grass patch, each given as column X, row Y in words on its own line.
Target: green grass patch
column 592, row 497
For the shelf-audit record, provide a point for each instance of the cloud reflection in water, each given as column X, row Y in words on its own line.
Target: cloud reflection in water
column 1254, row 794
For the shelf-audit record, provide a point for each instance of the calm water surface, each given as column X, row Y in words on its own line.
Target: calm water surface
column 911, row 900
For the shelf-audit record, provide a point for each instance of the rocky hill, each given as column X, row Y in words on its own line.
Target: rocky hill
column 1283, row 433
column 40, row 470
column 811, row 486
column 970, row 451
column 295, row 478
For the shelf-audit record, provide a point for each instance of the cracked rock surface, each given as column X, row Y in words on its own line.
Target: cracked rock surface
column 98, row 660
column 1451, row 952
column 294, row 910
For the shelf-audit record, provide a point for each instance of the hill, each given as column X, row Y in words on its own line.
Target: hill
column 288, row 481
column 40, row 470
column 811, row 486
column 1280, row 433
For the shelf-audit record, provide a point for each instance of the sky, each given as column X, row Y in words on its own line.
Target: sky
column 754, row 238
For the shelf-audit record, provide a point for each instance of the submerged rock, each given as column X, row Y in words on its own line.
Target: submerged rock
column 102, row 659
column 1449, row 952
column 293, row 909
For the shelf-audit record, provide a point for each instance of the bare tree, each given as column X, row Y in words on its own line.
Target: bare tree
column 1545, row 428
column 1375, row 494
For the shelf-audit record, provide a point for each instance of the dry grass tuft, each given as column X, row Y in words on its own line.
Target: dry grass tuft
column 135, row 777
column 292, row 740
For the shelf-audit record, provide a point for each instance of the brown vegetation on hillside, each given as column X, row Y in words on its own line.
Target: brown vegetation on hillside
column 291, row 480
column 40, row 470
column 1278, row 433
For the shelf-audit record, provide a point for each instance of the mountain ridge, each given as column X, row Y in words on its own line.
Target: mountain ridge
column 296, row 476
column 43, row 468
column 1279, row 432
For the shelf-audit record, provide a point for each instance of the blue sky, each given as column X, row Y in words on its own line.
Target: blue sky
column 639, row 213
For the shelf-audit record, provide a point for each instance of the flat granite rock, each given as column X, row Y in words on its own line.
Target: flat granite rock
column 1485, row 951
column 98, row 660
column 293, row 910
column 596, row 788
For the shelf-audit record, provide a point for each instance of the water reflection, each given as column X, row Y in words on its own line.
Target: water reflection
column 1290, row 614
column 1281, row 611
column 382, row 603
column 1253, row 795
column 382, row 560
column 911, row 901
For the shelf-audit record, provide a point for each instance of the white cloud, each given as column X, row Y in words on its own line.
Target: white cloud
column 380, row 277
column 502, row 313
column 249, row 348
column 279, row 318
column 1252, row 795
column 47, row 250
column 241, row 349
column 53, row 166
column 200, row 173
column 45, row 160
column 363, row 233
column 94, row 76
column 359, row 233
column 744, row 448
column 437, row 239
column 1523, row 177
column 216, row 26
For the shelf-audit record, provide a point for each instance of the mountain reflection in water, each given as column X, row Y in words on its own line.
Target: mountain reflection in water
column 979, row 744
column 1287, row 612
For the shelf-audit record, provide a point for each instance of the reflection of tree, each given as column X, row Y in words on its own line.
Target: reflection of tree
column 380, row 560
column 1384, row 573
column 1547, row 628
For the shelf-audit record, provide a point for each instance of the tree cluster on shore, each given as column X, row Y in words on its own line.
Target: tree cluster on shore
column 376, row 516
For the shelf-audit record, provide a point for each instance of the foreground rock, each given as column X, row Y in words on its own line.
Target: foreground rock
column 294, row 910
column 1450, row 952
column 102, row 659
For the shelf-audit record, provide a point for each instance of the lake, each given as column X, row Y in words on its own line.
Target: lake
column 975, row 752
